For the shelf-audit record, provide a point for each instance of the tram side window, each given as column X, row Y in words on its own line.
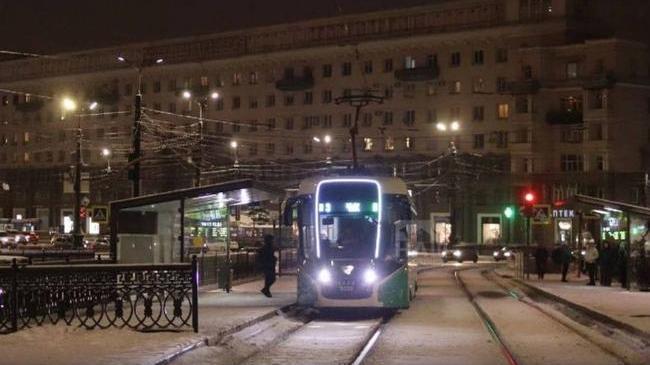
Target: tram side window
column 306, row 224
column 398, row 217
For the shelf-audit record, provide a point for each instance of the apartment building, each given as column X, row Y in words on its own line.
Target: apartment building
column 564, row 103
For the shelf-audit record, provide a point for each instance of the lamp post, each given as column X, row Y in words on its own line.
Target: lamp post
column 69, row 105
column 234, row 146
column 452, row 151
column 136, row 148
column 202, row 102
column 106, row 153
column 326, row 141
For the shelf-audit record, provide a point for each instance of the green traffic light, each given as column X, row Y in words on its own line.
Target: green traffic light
column 509, row 212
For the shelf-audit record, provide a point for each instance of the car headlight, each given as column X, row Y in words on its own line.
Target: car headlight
column 457, row 253
column 412, row 253
column 495, row 253
column 369, row 276
column 444, row 253
column 324, row 276
column 17, row 238
column 507, row 254
column 583, row 252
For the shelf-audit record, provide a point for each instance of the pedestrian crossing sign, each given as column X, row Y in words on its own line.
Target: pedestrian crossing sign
column 100, row 214
column 541, row 214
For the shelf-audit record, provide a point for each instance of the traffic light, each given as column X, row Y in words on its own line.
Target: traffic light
column 529, row 199
column 508, row 212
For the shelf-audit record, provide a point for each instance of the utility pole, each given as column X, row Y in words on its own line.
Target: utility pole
column 199, row 157
column 453, row 213
column 136, row 153
column 77, row 237
column 358, row 101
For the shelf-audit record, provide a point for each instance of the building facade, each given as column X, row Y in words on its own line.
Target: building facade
column 562, row 102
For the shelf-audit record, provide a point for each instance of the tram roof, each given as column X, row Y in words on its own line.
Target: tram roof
column 389, row 185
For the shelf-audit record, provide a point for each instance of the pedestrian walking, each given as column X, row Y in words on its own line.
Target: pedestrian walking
column 541, row 256
column 622, row 264
column 591, row 258
column 607, row 263
column 267, row 262
column 565, row 259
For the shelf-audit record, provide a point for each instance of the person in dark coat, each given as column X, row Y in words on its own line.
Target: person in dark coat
column 267, row 262
column 541, row 256
column 622, row 264
column 607, row 263
column 564, row 256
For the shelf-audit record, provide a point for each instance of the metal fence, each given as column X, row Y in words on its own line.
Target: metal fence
column 142, row 297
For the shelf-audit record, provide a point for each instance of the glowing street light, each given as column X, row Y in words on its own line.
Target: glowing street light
column 233, row 144
column 441, row 126
column 316, row 139
column 68, row 104
column 187, row 94
column 214, row 95
column 93, row 105
column 455, row 126
column 106, row 152
column 327, row 138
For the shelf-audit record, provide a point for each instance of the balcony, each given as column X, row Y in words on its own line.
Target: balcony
column 599, row 81
column 523, row 87
column 426, row 73
column 30, row 106
column 559, row 117
column 572, row 135
column 293, row 83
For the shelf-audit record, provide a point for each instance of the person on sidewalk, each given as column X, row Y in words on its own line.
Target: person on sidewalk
column 541, row 256
column 607, row 262
column 591, row 257
column 267, row 262
column 565, row 259
column 622, row 264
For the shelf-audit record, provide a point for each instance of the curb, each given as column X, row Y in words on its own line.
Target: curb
column 625, row 327
column 214, row 339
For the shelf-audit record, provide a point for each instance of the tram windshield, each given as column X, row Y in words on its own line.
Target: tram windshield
column 348, row 215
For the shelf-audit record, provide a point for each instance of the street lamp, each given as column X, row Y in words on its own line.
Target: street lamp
column 452, row 151
column 202, row 101
column 106, row 153
column 234, row 145
column 326, row 140
column 70, row 105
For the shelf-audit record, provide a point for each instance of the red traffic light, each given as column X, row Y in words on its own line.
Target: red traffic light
column 529, row 197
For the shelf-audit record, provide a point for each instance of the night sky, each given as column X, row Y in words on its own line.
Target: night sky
column 51, row 26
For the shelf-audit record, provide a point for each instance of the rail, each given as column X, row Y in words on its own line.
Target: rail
column 141, row 297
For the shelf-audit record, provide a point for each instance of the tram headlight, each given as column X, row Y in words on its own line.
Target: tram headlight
column 369, row 276
column 507, row 254
column 444, row 253
column 324, row 276
column 495, row 253
column 457, row 253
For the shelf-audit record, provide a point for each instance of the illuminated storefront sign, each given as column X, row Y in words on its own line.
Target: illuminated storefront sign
column 563, row 213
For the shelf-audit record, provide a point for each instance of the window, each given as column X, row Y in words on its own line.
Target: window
column 478, row 85
column 288, row 149
column 128, row 89
column 479, row 141
column 288, row 123
column 236, row 102
column 501, row 139
column 270, row 101
column 389, row 144
column 596, row 131
column 156, row 86
column 171, row 86
column 454, row 87
column 571, row 70
column 601, row 163
column 367, row 67
column 388, row 94
column 478, row 57
column 203, row 80
column 270, row 148
column 252, row 126
column 219, row 104
column 327, row 70
column 521, row 104
column 409, row 117
column 61, row 157
column 26, row 138
column 502, row 55
column 502, row 84
column 218, row 127
column 478, row 113
column 503, row 111
column 288, row 100
column 252, row 149
column 270, row 124
column 571, row 163
column 327, row 96
column 5, row 100
column 388, row 65
column 409, row 90
column 527, row 72
column 432, row 116
column 236, row 78
column 252, row 102
column 309, row 98
column 307, row 147
column 527, row 165
column 596, row 98
column 408, row 144
column 367, row 120
column 454, row 113
column 367, row 144
column 327, row 121
column 432, row 60
column 236, row 127
column 253, row 76
column 388, row 118
column 347, row 120
column 347, row 92
column 409, row 62
column 346, row 69
column 455, row 59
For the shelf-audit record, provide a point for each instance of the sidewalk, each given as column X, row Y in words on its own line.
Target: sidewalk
column 219, row 312
column 630, row 309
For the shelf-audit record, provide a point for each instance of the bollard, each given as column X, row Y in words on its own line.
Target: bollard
column 195, row 294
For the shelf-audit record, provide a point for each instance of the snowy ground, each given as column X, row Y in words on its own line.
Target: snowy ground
column 67, row 345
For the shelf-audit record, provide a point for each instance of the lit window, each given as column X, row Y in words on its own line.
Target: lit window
column 571, row 70
column 503, row 111
column 389, row 144
column 409, row 62
column 367, row 144
column 408, row 143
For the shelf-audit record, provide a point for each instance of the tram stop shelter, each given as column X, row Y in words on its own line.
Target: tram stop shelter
column 162, row 228
column 626, row 225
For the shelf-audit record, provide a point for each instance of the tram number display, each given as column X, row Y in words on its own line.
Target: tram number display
column 346, row 285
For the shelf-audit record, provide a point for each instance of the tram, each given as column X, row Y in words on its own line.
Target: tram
column 355, row 239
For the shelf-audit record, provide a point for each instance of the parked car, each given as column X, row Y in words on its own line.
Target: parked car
column 7, row 240
column 503, row 254
column 62, row 242
column 460, row 253
column 8, row 260
column 20, row 237
column 100, row 243
column 33, row 238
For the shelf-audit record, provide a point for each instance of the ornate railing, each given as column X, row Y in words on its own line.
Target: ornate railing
column 141, row 297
